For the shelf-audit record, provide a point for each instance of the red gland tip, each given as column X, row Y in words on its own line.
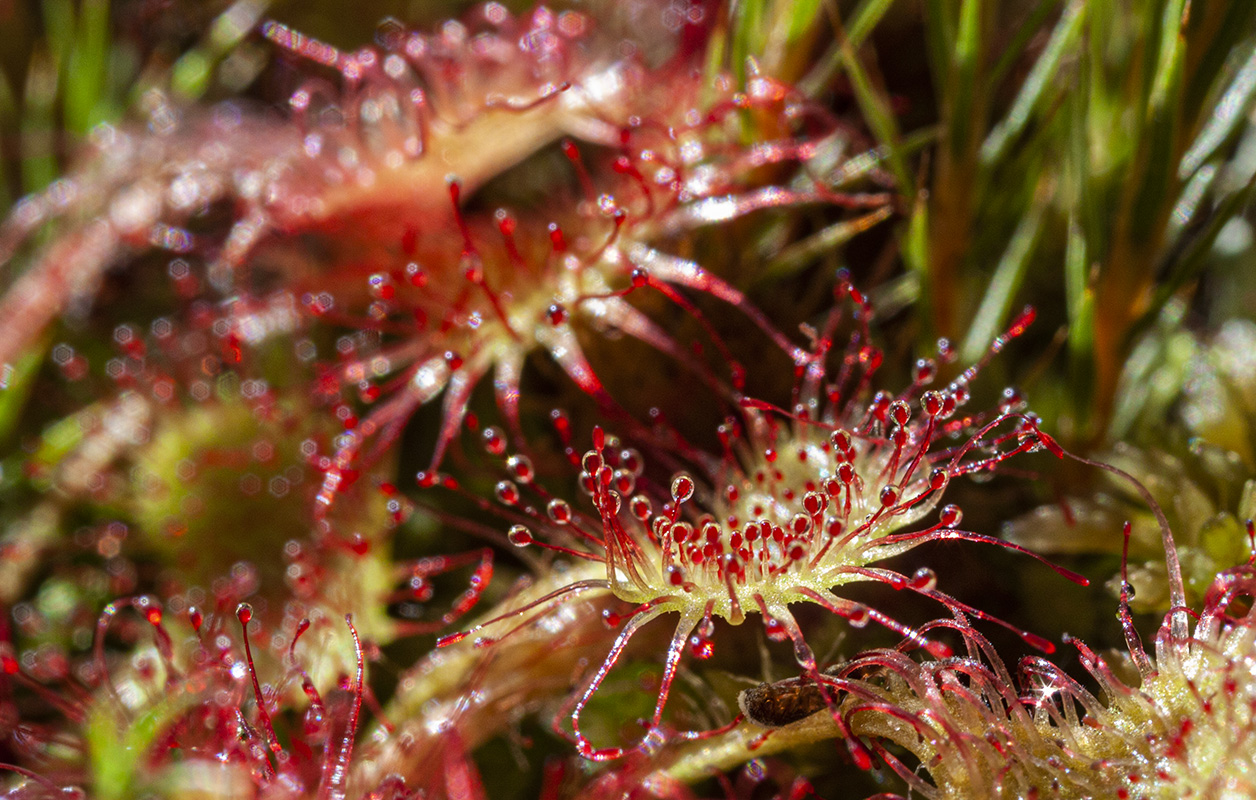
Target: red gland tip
column 452, row 638
column 758, row 405
column 244, row 613
column 860, row 754
column 1022, row 322
column 1037, row 642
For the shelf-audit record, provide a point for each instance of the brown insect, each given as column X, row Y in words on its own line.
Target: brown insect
column 774, row 705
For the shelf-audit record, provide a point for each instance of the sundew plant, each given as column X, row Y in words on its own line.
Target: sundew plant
column 418, row 400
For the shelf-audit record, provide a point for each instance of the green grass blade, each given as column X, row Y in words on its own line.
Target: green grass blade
column 866, row 16
column 1213, row 54
column 87, row 68
column 1227, row 120
column 16, row 382
column 963, row 95
column 809, row 249
column 939, row 43
column 748, row 34
column 1025, row 32
column 59, row 26
column 37, row 139
column 1157, row 157
column 1008, row 277
column 191, row 74
column 1034, row 92
column 916, row 256
column 1075, row 268
column 8, row 119
column 800, row 17
column 1195, row 256
column 876, row 110
column 863, row 20
column 1169, row 54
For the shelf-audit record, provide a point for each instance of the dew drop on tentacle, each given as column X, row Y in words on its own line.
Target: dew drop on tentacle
column 857, row 615
column 775, row 629
column 507, row 493
column 924, row 579
column 521, row 468
column 559, row 511
column 682, row 488
column 494, row 441
column 701, row 647
column 926, row 370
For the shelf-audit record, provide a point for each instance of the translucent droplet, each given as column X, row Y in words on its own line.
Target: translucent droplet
column 591, row 462
column 521, row 468
column 559, row 511
column 924, row 580
column 858, row 616
column 507, row 493
column 640, row 507
column 701, row 647
column 494, row 441
column 682, row 488
column 926, row 369
column 775, row 629
column 519, row 536
column 625, row 482
column 815, row 503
